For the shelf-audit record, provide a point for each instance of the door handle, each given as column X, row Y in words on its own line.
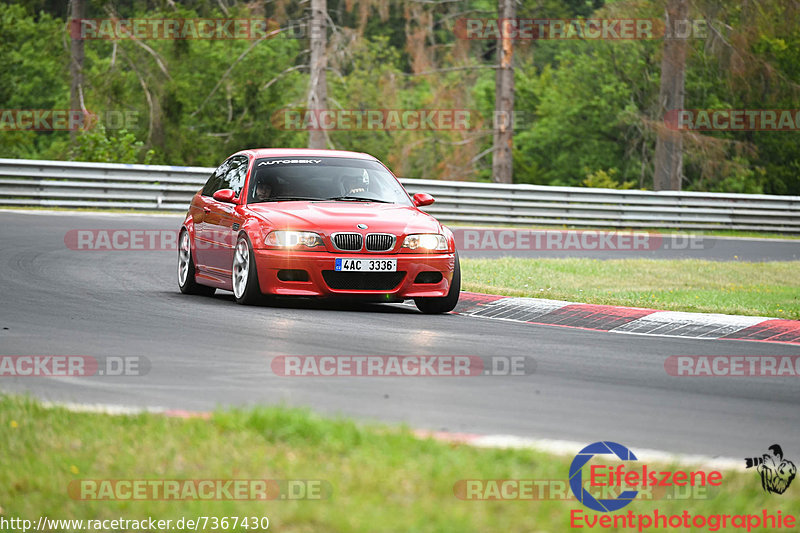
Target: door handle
column 206, row 209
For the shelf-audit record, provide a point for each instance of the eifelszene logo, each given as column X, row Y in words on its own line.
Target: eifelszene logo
column 576, row 476
column 625, row 476
column 776, row 472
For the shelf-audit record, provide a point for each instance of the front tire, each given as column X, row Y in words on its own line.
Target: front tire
column 445, row 304
column 244, row 273
column 186, row 281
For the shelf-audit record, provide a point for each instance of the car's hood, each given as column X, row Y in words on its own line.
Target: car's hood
column 329, row 217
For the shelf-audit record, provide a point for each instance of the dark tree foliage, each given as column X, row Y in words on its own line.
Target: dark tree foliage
column 586, row 110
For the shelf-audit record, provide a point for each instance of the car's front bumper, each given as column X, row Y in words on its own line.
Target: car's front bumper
column 271, row 262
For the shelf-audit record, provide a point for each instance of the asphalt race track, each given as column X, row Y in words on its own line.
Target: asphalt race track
column 209, row 352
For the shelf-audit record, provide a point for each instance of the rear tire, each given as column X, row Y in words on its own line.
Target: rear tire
column 186, row 272
column 445, row 304
column 244, row 273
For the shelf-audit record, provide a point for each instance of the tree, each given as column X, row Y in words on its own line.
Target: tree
column 78, row 12
column 668, row 169
column 318, row 91
column 504, row 98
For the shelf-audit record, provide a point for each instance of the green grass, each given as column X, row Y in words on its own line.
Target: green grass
column 733, row 287
column 382, row 479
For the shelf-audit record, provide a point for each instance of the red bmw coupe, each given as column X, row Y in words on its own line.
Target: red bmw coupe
column 321, row 223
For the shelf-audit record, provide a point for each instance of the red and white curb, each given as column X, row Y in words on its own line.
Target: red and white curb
column 552, row 446
column 629, row 320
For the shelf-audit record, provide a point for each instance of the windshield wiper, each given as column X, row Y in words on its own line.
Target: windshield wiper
column 290, row 198
column 359, row 199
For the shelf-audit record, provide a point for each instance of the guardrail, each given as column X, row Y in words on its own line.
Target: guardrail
column 62, row 184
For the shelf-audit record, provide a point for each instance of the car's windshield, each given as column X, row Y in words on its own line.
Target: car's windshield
column 324, row 179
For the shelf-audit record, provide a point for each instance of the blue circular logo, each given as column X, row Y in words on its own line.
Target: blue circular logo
column 576, row 476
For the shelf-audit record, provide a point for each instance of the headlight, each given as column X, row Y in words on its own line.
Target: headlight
column 291, row 239
column 425, row 241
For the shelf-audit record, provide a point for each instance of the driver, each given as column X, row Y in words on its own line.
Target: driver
column 263, row 191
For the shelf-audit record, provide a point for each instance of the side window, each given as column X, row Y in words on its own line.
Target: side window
column 216, row 182
column 229, row 175
column 234, row 179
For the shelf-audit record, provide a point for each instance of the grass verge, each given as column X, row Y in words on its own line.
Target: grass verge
column 740, row 288
column 382, row 479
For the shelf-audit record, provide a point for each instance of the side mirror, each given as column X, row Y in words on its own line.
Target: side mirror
column 225, row 195
column 422, row 199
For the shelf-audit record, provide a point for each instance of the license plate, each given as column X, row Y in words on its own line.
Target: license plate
column 365, row 265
